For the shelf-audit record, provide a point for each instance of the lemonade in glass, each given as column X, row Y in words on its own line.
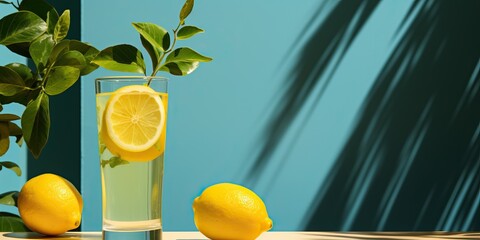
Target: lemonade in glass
column 131, row 120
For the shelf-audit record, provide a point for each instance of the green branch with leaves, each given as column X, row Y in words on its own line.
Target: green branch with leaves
column 37, row 32
column 157, row 42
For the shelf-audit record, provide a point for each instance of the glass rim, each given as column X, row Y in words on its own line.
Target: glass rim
column 127, row 78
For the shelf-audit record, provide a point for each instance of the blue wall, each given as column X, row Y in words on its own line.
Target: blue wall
column 289, row 87
column 218, row 115
column 341, row 115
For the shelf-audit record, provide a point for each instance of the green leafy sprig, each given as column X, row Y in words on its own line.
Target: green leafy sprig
column 39, row 33
column 157, row 42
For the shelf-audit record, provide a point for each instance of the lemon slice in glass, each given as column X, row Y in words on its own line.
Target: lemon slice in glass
column 134, row 118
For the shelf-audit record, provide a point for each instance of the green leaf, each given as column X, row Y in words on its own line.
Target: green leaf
column 183, row 61
column 188, row 31
column 180, row 68
column 11, row 223
column 52, row 19
column 89, row 55
column 113, row 162
column 10, row 129
column 154, row 53
column 10, row 82
column 89, row 52
column 73, row 59
column 20, row 49
column 102, row 148
column 7, row 75
column 23, row 97
column 23, row 71
column 153, row 33
column 12, row 166
column 4, row 138
column 39, row 7
column 8, row 117
column 123, row 58
column 40, row 50
column 166, row 41
column 62, row 26
column 186, row 10
column 61, row 78
column 44, row 10
column 10, row 89
column 59, row 49
column 9, row 198
column 186, row 54
column 36, row 124
column 155, row 40
column 16, row 131
column 21, row 27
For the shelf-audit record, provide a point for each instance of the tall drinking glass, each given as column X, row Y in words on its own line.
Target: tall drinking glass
column 131, row 120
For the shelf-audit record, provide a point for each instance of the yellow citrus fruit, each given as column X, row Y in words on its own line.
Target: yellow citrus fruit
column 133, row 124
column 230, row 211
column 50, row 205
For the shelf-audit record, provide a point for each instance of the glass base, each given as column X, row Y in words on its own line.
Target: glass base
column 136, row 235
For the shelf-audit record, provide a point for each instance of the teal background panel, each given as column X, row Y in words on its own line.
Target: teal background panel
column 61, row 154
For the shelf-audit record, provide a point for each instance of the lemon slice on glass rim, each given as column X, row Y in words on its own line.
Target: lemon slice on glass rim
column 134, row 118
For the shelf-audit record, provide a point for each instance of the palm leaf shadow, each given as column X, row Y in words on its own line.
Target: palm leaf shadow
column 413, row 159
column 333, row 36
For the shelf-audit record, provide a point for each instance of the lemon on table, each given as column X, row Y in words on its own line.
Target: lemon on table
column 133, row 125
column 50, row 205
column 230, row 211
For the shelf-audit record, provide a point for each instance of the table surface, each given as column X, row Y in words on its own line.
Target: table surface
column 270, row 236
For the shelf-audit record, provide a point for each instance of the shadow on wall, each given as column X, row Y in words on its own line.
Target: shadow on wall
column 413, row 159
column 329, row 42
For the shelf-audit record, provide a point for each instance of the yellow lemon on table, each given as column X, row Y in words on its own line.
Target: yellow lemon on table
column 230, row 211
column 50, row 205
column 133, row 123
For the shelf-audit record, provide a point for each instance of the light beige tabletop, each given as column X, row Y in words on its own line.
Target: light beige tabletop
column 269, row 236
